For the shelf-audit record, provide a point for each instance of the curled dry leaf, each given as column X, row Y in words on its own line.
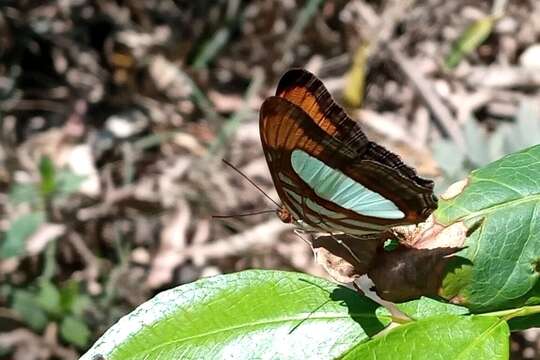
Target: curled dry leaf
column 408, row 273
column 81, row 161
column 439, row 236
column 168, row 78
column 128, row 124
column 415, row 268
column 345, row 258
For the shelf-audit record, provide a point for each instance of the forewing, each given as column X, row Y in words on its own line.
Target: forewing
column 306, row 91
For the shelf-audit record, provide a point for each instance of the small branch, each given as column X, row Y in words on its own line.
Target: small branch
column 260, row 235
column 444, row 119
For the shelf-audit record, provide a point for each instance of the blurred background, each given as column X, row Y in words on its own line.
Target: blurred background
column 115, row 115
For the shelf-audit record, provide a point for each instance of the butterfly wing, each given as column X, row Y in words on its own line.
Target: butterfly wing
column 285, row 128
column 325, row 170
column 305, row 90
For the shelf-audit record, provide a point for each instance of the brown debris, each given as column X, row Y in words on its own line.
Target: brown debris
column 415, row 268
column 133, row 95
column 408, row 273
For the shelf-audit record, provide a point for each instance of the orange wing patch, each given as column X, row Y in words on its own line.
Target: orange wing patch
column 283, row 127
column 306, row 100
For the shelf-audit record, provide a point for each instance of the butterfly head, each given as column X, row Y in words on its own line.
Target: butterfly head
column 284, row 215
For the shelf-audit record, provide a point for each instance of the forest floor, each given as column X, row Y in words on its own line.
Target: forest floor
column 115, row 115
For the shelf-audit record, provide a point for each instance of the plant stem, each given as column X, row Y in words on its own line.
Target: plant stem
column 49, row 266
column 220, row 39
column 512, row 313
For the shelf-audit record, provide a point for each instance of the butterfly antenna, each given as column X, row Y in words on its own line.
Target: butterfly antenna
column 251, row 182
column 246, row 214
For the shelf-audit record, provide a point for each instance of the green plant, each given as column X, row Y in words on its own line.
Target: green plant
column 45, row 302
column 474, row 35
column 41, row 302
column 36, row 197
column 481, row 149
column 492, row 284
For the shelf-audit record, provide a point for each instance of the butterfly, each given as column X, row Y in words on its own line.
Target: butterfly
column 328, row 175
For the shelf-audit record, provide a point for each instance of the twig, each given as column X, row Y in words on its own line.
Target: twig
column 503, row 77
column 261, row 235
column 443, row 118
column 91, row 261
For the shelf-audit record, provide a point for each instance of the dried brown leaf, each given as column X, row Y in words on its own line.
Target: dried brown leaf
column 345, row 257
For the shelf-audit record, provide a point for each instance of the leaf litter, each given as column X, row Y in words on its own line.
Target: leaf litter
column 111, row 92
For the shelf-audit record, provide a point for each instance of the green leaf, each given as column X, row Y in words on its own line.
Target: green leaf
column 21, row 229
column 67, row 182
column 75, row 331
column 48, row 176
column 353, row 93
column 390, row 244
column 425, row 307
column 24, row 193
column 48, row 298
column 443, row 337
column 469, row 40
column 24, row 303
column 247, row 315
column 498, row 269
column 72, row 300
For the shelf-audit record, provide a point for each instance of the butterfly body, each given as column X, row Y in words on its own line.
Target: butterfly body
column 329, row 176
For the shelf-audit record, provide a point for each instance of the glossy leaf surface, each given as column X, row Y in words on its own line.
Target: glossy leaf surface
column 498, row 269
